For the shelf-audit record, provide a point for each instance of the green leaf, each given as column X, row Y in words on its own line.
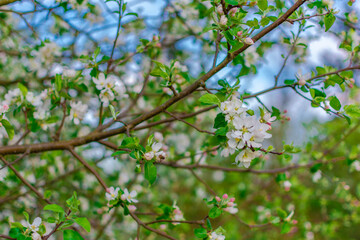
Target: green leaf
column 58, row 82
column 220, row 121
column 232, row 2
column 112, row 110
column 96, row 52
column 215, row 212
column 23, row 89
column 71, row 235
column 335, row 103
column 352, row 110
column 54, row 208
column 210, row 99
column 263, row 4
column 200, row 232
column 289, row 81
column 26, row 216
column 281, row 213
column 83, row 222
column 9, row 128
column 150, row 172
column 329, row 21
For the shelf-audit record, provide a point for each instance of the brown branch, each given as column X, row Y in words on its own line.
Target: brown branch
column 88, row 167
column 23, row 180
column 95, row 136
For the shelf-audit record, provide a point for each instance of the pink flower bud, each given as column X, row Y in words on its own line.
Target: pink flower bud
column 158, row 45
column 351, row 81
column 6, row 107
column 301, row 82
column 131, row 208
column 249, row 41
column 239, row 33
column 232, row 199
column 233, row 11
column 285, row 111
column 155, row 38
column 220, row 10
column 351, row 85
column 217, row 199
column 225, row 196
column 294, row 222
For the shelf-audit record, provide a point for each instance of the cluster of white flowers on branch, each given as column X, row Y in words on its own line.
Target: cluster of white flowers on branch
column 110, row 88
column 247, row 132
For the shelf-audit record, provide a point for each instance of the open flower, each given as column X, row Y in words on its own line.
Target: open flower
column 112, row 193
column 245, row 157
column 217, row 236
column 35, row 236
column 129, row 196
column 34, row 227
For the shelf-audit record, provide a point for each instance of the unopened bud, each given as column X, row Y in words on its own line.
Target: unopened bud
column 233, row 11
column 217, row 199
column 220, row 10
column 225, row 196
column 239, row 33
column 249, row 41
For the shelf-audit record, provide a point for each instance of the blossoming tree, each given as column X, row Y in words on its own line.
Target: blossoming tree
column 116, row 123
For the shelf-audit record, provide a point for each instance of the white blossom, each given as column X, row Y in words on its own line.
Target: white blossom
column 112, row 193
column 78, row 111
column 34, row 227
column 129, row 196
column 3, row 173
column 35, row 236
column 217, row 236
column 245, row 157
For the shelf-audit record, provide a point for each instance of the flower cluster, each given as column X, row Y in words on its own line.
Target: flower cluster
column 227, row 203
column 34, row 228
column 78, row 111
column 39, row 102
column 3, row 109
column 113, row 197
column 247, row 132
column 109, row 87
column 177, row 214
column 155, row 152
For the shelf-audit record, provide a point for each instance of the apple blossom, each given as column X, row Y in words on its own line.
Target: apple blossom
column 112, row 193
column 217, row 236
column 129, row 196
column 34, row 227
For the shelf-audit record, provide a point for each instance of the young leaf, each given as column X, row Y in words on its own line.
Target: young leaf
column 150, row 172
column 54, row 208
column 329, row 21
column 71, row 235
column 83, row 222
column 335, row 103
column 209, row 99
column 8, row 127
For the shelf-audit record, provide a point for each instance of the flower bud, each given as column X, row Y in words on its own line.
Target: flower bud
column 301, row 82
column 217, row 199
column 232, row 199
column 249, row 41
column 233, row 11
column 225, row 196
column 239, row 33
column 352, row 80
column 131, row 208
column 219, row 10
column 223, row 20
